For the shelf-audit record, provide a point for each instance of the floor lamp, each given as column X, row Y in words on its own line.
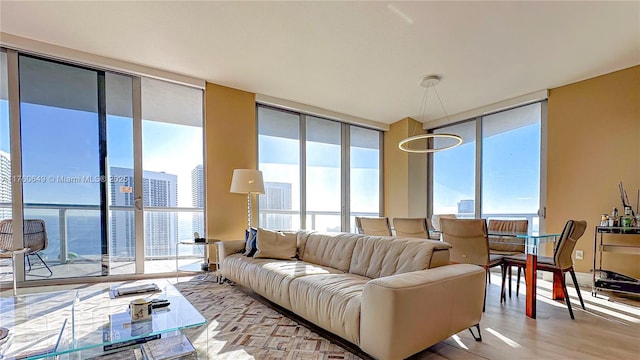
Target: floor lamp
column 247, row 181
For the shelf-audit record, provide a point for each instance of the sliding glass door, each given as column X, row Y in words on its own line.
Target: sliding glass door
column 112, row 163
column 120, row 146
column 172, row 177
column 63, row 164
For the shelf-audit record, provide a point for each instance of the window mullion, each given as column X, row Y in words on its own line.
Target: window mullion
column 345, row 170
column 303, row 171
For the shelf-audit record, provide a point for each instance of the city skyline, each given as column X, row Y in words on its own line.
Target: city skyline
column 160, row 228
column 197, row 198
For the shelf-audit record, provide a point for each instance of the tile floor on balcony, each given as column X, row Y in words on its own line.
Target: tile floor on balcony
column 91, row 269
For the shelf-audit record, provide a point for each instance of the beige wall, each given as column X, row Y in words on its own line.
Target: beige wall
column 230, row 133
column 594, row 143
column 405, row 174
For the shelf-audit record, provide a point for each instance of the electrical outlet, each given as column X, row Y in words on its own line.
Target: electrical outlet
column 579, row 254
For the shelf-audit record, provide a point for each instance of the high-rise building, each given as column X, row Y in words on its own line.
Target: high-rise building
column 197, row 198
column 277, row 196
column 5, row 185
column 161, row 228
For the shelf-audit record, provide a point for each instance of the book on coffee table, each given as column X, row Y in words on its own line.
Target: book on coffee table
column 132, row 290
column 169, row 348
column 122, row 332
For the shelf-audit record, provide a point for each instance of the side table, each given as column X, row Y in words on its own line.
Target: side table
column 14, row 253
column 204, row 266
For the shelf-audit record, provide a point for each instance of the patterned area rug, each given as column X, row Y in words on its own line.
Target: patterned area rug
column 241, row 326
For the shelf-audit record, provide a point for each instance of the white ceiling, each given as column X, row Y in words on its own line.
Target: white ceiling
column 364, row 59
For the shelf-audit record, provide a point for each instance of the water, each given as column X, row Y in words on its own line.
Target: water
column 84, row 240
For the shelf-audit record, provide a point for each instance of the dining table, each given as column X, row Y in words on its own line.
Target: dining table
column 532, row 243
column 533, row 240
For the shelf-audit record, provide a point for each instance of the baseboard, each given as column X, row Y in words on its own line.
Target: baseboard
column 585, row 280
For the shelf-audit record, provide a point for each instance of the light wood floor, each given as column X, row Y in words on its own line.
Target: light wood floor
column 605, row 330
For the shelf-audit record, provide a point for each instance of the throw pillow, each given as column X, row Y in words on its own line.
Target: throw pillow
column 250, row 241
column 276, row 244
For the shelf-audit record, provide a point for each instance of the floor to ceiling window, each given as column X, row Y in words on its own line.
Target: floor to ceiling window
column 5, row 145
column 172, row 157
column 511, row 164
column 60, row 133
column 364, row 175
column 120, row 124
column 454, row 173
column 279, row 156
column 323, row 174
column 310, row 165
column 87, row 137
column 505, row 171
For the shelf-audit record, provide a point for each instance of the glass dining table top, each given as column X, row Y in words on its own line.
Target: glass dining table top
column 532, row 239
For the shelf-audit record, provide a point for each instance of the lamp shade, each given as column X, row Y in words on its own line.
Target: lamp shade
column 247, row 181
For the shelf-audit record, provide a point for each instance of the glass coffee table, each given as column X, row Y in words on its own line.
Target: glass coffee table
column 87, row 322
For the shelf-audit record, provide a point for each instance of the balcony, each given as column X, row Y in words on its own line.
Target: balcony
column 75, row 245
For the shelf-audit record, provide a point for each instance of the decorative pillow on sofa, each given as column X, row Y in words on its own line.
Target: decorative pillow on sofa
column 276, row 244
column 250, row 236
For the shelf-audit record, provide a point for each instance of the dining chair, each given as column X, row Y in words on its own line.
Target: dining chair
column 411, row 227
column 34, row 238
column 435, row 219
column 374, row 226
column 358, row 225
column 561, row 262
column 507, row 245
column 470, row 244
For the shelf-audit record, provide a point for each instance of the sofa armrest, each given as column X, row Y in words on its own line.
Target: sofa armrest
column 405, row 313
column 229, row 247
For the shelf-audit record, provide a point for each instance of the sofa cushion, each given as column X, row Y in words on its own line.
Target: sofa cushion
column 376, row 256
column 302, row 243
column 270, row 277
column 330, row 249
column 331, row 301
column 250, row 241
column 276, row 244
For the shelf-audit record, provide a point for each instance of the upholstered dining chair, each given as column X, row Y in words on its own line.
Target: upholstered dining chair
column 411, row 227
column 34, row 238
column 470, row 244
column 561, row 262
column 507, row 245
column 435, row 219
column 374, row 226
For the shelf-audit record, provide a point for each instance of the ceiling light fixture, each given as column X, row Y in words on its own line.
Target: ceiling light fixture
column 427, row 82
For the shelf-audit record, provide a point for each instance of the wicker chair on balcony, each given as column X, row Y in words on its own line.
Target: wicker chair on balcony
column 35, row 239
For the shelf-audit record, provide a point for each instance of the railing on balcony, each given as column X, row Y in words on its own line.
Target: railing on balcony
column 69, row 232
column 74, row 231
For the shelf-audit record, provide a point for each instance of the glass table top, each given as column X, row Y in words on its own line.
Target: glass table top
column 62, row 322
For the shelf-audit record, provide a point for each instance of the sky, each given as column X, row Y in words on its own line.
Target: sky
column 279, row 162
column 68, row 147
column 510, row 170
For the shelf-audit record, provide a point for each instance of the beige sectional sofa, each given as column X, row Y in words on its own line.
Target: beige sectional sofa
column 390, row 296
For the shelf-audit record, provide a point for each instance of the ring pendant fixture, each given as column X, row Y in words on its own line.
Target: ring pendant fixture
column 404, row 144
column 427, row 82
